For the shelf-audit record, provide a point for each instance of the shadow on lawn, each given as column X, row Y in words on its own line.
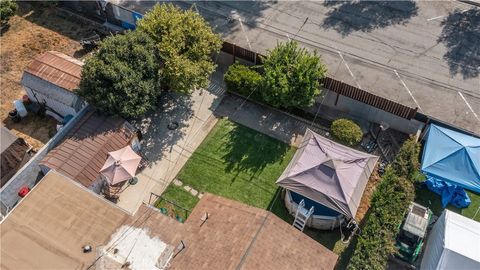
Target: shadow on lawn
column 347, row 17
column 251, row 151
column 461, row 36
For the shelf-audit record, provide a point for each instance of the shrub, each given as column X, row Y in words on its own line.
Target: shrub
column 7, row 10
column 346, row 132
column 292, row 76
column 377, row 240
column 243, row 80
column 406, row 162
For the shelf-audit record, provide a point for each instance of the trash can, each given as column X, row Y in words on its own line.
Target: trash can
column 13, row 114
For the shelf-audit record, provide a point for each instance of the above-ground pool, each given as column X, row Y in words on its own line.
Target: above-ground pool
column 323, row 218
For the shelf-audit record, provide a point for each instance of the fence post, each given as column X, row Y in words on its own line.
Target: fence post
column 255, row 59
column 233, row 50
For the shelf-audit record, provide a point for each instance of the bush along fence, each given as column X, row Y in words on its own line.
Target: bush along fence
column 331, row 84
column 389, row 204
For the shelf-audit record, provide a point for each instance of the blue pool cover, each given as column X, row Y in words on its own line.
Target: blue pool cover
column 319, row 209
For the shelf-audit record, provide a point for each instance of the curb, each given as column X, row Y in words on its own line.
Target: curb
column 471, row 2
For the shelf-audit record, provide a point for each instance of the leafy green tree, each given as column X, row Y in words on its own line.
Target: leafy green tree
column 292, row 76
column 122, row 77
column 7, row 10
column 185, row 43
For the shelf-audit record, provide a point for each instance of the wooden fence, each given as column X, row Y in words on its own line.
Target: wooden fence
column 333, row 85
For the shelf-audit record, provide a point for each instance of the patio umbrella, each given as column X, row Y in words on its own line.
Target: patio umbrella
column 121, row 165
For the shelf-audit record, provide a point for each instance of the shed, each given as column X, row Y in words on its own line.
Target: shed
column 52, row 78
column 328, row 173
column 454, row 243
column 13, row 154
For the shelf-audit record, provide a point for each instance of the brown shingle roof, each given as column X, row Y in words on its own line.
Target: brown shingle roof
column 237, row 236
column 49, row 227
column 57, row 68
column 84, row 151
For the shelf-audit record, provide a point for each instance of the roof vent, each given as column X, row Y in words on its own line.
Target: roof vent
column 204, row 218
column 87, row 249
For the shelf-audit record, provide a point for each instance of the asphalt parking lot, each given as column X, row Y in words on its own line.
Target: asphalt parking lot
column 421, row 54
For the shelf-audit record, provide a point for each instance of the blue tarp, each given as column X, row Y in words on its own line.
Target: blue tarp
column 451, row 194
column 452, row 157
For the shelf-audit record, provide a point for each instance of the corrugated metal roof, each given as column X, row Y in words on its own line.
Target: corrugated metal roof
column 84, row 151
column 57, row 68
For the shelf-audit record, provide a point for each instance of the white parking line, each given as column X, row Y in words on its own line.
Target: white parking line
column 349, row 70
column 245, row 33
column 439, row 17
column 434, row 18
column 468, row 105
column 408, row 90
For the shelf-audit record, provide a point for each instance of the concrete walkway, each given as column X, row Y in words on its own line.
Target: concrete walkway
column 168, row 150
column 273, row 123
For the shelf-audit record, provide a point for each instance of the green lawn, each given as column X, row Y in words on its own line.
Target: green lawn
column 426, row 197
column 175, row 200
column 238, row 163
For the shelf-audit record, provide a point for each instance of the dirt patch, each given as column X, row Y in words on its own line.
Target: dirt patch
column 372, row 183
column 34, row 30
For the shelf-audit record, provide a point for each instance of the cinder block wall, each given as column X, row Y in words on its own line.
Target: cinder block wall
column 27, row 175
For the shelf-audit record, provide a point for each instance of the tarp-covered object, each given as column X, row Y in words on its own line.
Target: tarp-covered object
column 453, row 157
column 451, row 194
column 329, row 173
column 454, row 243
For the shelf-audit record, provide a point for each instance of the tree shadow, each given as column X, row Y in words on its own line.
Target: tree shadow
column 163, row 127
column 251, row 151
column 461, row 36
column 347, row 16
column 49, row 16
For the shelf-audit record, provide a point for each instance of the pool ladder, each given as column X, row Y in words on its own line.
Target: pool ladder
column 302, row 216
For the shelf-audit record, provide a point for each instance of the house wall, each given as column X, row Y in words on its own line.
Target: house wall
column 28, row 174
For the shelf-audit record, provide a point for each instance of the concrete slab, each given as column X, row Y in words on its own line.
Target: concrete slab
column 177, row 182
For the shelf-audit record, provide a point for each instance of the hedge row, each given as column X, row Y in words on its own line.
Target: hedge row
column 389, row 204
column 244, row 80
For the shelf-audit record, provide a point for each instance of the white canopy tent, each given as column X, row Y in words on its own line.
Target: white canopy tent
column 454, row 243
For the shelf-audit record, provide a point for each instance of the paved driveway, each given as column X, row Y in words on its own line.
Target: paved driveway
column 421, row 54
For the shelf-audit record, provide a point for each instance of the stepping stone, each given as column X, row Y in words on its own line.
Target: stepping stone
column 177, row 182
column 187, row 188
column 194, row 192
column 200, row 195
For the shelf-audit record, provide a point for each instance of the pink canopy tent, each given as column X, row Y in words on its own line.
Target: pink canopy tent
column 121, row 165
column 329, row 173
